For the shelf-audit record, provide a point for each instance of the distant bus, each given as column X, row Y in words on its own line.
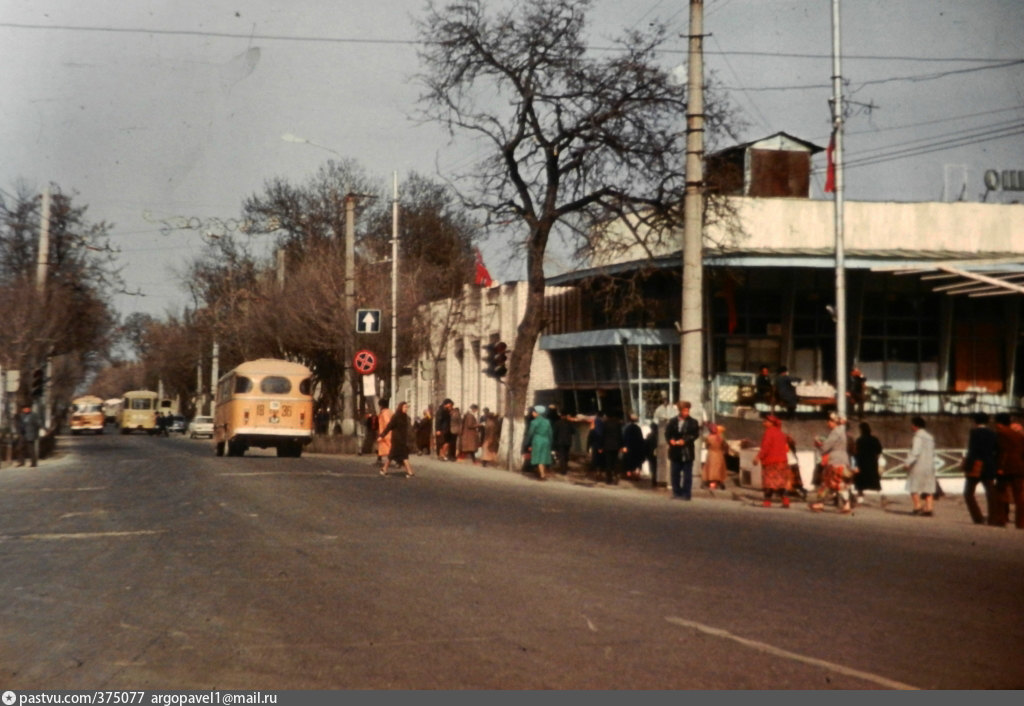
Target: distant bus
column 267, row 403
column 112, row 409
column 139, row 412
column 87, row 415
column 168, row 406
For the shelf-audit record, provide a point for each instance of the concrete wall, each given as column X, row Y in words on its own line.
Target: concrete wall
column 884, row 228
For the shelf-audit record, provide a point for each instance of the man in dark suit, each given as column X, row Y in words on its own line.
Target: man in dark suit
column 785, row 391
column 764, row 389
column 445, row 437
column 27, row 427
column 980, row 467
column 681, row 433
column 1009, row 473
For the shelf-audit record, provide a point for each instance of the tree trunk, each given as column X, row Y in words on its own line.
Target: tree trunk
column 521, row 360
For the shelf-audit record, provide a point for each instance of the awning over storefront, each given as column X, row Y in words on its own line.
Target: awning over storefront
column 974, row 278
column 973, row 266
column 609, row 337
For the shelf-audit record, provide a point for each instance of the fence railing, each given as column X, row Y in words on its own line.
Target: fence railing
column 893, row 463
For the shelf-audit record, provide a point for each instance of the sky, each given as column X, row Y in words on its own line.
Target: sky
column 162, row 116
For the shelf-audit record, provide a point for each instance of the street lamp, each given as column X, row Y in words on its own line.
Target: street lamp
column 289, row 137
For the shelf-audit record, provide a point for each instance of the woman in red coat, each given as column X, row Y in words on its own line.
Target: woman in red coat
column 775, row 474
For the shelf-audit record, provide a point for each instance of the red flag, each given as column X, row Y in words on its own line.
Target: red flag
column 830, row 171
column 481, row 278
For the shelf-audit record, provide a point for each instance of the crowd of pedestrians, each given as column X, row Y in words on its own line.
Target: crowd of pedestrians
column 994, row 459
column 394, row 436
column 846, row 466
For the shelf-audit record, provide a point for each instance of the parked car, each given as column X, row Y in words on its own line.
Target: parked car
column 200, row 426
column 177, row 425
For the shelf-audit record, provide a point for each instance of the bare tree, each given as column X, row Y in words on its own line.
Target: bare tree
column 306, row 318
column 69, row 319
column 584, row 140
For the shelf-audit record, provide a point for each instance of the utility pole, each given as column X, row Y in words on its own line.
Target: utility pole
column 348, row 388
column 837, row 162
column 43, row 256
column 42, row 264
column 200, row 397
column 394, row 296
column 691, row 334
column 214, row 372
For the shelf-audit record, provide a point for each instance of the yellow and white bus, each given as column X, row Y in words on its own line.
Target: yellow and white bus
column 267, row 403
column 138, row 413
column 87, row 415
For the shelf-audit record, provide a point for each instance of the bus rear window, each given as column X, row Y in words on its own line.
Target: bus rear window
column 141, row 403
column 242, row 385
column 275, row 385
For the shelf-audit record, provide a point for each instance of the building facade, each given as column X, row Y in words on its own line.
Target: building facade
column 612, row 342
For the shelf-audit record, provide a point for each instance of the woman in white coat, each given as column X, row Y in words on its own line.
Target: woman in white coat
column 921, row 469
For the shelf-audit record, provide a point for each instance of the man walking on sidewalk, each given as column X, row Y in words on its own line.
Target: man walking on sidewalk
column 27, row 428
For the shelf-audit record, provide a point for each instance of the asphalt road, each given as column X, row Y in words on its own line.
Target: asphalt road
column 148, row 563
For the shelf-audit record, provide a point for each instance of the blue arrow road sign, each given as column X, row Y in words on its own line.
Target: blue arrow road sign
column 368, row 321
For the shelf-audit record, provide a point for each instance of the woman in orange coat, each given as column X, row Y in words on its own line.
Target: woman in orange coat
column 384, row 441
column 773, row 457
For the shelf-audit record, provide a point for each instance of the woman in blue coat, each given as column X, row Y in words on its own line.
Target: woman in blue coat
column 538, row 440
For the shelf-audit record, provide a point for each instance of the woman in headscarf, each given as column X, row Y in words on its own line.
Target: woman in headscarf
column 399, row 428
column 866, row 453
column 714, row 464
column 835, row 458
column 773, row 457
column 492, row 432
column 538, row 440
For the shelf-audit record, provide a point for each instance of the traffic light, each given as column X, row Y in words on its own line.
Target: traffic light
column 496, row 359
column 488, row 360
column 499, row 358
column 38, row 382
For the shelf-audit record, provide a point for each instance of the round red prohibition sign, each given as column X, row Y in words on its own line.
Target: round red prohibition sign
column 365, row 362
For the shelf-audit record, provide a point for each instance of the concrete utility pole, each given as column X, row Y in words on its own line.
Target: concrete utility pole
column 42, row 264
column 43, row 255
column 348, row 388
column 691, row 335
column 394, row 297
column 200, row 397
column 214, row 373
column 837, row 165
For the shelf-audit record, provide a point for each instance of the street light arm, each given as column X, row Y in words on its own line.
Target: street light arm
column 289, row 137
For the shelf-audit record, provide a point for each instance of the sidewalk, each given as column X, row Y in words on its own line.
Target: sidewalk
column 950, row 509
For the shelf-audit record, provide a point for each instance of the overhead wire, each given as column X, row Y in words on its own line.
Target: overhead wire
column 384, row 41
column 937, row 146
